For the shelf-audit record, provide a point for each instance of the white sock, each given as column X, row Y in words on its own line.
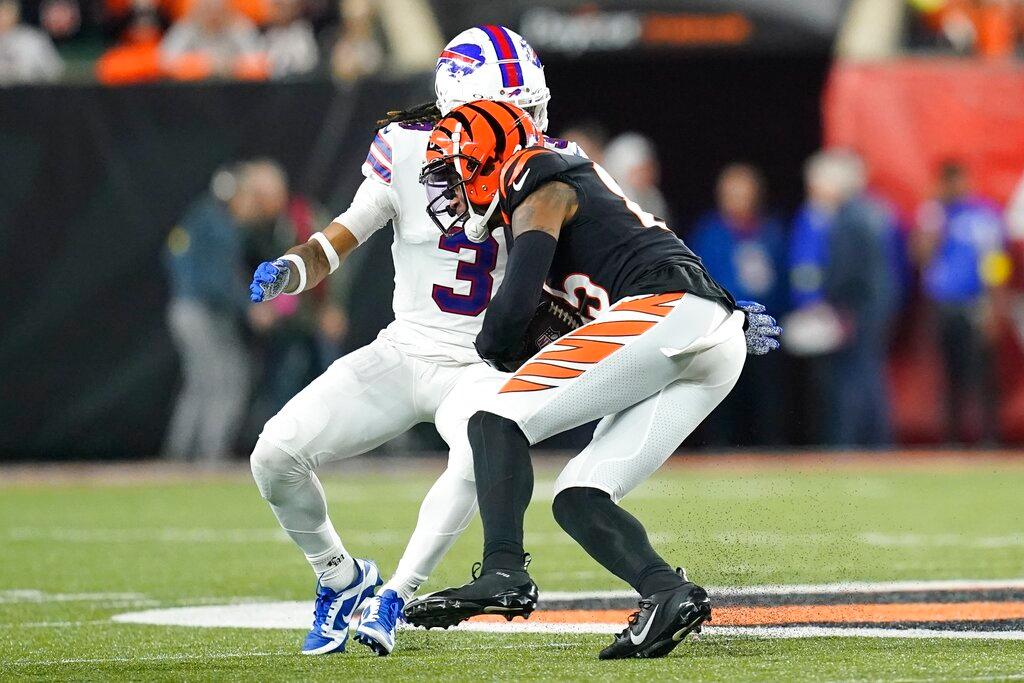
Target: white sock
column 404, row 583
column 335, row 567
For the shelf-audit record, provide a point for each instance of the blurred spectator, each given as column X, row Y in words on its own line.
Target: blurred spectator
column 137, row 27
column 960, row 246
column 591, row 137
column 213, row 40
column 988, row 28
column 355, row 51
column 208, row 305
column 61, row 19
column 745, row 249
column 27, row 55
column 291, row 45
column 630, row 159
column 285, row 329
column 842, row 281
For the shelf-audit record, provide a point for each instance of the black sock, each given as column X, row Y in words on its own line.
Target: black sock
column 614, row 538
column 504, row 485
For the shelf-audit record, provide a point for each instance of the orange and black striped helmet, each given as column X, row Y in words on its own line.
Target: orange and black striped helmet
column 466, row 151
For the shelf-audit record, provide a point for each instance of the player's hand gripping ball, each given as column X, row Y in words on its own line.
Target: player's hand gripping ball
column 269, row 280
column 762, row 331
column 553, row 319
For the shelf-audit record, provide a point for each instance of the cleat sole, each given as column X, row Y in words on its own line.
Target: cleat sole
column 445, row 613
column 376, row 647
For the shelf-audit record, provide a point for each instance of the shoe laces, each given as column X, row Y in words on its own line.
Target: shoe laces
column 321, row 609
column 635, row 616
column 475, row 572
column 374, row 609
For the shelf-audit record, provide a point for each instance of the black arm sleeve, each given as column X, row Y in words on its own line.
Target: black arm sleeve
column 511, row 310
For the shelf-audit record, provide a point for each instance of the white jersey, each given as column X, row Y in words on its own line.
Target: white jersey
column 442, row 284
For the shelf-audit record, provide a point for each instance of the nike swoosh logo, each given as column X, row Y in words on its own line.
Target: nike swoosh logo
column 518, row 185
column 637, row 639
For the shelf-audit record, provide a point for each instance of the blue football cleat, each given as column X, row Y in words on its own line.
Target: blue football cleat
column 334, row 610
column 378, row 623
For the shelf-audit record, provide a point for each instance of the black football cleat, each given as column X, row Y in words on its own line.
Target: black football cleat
column 662, row 622
column 508, row 592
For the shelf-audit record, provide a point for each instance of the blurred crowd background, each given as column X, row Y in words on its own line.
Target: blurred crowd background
column 857, row 166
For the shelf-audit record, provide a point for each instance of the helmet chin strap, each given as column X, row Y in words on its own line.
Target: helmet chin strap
column 476, row 225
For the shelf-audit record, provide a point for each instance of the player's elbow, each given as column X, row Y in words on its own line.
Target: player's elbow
column 494, row 343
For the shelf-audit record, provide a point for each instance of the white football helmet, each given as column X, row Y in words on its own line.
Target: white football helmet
column 491, row 63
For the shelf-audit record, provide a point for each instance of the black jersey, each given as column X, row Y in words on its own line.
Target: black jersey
column 611, row 248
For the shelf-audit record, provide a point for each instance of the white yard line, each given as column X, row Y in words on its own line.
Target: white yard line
column 838, row 632
column 199, row 535
column 1014, row 540
column 32, row 596
column 146, row 658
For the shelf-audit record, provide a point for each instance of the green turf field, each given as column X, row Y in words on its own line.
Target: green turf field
column 72, row 555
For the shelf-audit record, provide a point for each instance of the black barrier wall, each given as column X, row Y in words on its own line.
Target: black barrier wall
column 92, row 180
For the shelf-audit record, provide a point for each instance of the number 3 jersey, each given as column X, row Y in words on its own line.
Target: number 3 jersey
column 442, row 284
column 611, row 248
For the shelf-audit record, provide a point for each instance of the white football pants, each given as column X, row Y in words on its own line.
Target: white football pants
column 363, row 400
column 653, row 367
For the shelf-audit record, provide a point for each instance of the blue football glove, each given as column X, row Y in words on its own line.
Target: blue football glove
column 762, row 330
column 269, row 280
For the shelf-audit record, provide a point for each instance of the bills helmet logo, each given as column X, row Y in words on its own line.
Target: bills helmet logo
column 461, row 60
column 529, row 54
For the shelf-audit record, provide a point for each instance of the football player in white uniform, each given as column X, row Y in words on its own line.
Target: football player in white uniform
column 422, row 368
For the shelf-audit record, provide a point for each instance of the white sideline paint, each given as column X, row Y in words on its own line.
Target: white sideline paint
column 845, row 588
column 296, row 614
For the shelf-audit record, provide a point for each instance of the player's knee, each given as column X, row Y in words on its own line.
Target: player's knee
column 274, row 470
column 485, row 426
column 572, row 506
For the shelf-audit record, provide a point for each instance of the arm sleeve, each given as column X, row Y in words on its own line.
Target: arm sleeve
column 512, row 308
column 371, row 208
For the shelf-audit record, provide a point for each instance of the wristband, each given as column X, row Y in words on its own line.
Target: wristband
column 300, row 266
column 329, row 251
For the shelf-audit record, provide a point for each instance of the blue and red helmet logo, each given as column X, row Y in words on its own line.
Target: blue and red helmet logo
column 529, row 54
column 461, row 60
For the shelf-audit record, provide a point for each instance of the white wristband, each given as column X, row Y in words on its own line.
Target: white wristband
column 329, row 251
column 300, row 265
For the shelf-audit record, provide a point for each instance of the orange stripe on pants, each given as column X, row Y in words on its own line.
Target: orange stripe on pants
column 548, row 370
column 515, row 385
column 655, row 304
column 582, row 351
column 614, row 328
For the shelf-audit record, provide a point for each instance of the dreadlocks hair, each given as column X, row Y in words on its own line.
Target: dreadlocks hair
column 421, row 113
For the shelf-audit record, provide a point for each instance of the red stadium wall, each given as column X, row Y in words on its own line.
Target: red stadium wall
column 904, row 118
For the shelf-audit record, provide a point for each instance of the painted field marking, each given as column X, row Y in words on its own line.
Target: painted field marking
column 38, row 596
column 1014, row 540
column 146, row 658
column 845, row 588
column 762, row 621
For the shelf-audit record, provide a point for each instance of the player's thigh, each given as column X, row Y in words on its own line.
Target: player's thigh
column 627, row 354
column 472, row 387
column 629, row 446
column 362, row 400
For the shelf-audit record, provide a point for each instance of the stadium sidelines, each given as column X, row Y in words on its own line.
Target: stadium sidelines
column 992, row 609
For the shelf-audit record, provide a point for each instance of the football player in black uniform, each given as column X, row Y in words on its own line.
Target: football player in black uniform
column 663, row 345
